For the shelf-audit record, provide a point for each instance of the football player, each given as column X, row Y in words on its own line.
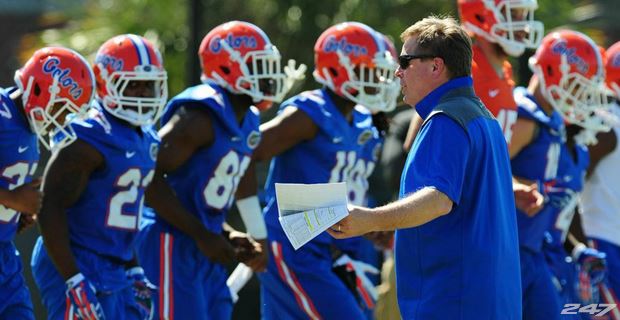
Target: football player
column 500, row 29
column 568, row 74
column 317, row 137
column 84, row 264
column 359, row 254
column 54, row 83
column 601, row 218
column 208, row 135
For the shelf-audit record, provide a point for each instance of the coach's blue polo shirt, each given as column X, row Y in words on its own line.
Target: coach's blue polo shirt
column 465, row 264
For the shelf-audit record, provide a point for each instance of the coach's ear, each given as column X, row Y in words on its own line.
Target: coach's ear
column 439, row 67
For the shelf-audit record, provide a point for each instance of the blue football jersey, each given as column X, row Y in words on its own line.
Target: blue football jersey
column 538, row 161
column 365, row 164
column 19, row 155
column 563, row 192
column 206, row 183
column 358, row 180
column 106, row 217
column 329, row 157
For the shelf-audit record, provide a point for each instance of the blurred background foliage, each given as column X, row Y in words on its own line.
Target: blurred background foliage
column 177, row 27
column 293, row 25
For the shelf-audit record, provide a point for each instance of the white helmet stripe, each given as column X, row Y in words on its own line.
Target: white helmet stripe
column 143, row 52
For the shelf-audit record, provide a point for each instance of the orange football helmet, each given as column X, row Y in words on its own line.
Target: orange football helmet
column 55, row 82
column 240, row 57
column 569, row 66
column 509, row 23
column 612, row 68
column 127, row 58
column 353, row 60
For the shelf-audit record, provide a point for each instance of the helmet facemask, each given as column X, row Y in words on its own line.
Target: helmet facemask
column 368, row 86
column 516, row 28
column 581, row 101
column 135, row 110
column 50, row 122
column 261, row 77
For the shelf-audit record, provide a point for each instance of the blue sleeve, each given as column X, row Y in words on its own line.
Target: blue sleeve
column 93, row 133
column 439, row 158
column 321, row 117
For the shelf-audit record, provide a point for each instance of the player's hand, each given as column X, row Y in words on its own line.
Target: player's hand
column 527, row 198
column 143, row 291
column 82, row 298
column 26, row 221
column 353, row 225
column 26, row 198
column 591, row 272
column 384, row 240
column 259, row 262
column 215, row 247
column 248, row 251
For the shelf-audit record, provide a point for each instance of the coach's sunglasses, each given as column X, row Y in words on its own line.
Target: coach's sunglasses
column 405, row 59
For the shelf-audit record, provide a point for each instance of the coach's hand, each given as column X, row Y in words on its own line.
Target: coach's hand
column 355, row 224
column 82, row 298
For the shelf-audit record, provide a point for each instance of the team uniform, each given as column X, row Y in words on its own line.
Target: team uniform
column 190, row 285
column 601, row 217
column 538, row 161
column 103, row 223
column 360, row 248
column 18, row 162
column 495, row 91
column 563, row 194
column 300, row 284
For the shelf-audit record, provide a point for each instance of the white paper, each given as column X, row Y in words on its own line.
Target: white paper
column 306, row 210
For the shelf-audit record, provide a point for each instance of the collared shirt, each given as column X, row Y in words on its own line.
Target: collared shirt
column 465, row 264
column 426, row 105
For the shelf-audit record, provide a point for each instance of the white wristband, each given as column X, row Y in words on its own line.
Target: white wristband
column 75, row 279
column 134, row 271
column 252, row 215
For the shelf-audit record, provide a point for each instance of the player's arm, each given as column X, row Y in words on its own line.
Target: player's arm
column 66, row 177
column 286, row 130
column 187, row 131
column 607, row 142
column 416, row 209
column 524, row 131
column 527, row 197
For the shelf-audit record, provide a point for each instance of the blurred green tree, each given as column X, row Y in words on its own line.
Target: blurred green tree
column 292, row 25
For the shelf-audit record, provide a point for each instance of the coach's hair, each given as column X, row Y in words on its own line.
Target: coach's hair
column 443, row 37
